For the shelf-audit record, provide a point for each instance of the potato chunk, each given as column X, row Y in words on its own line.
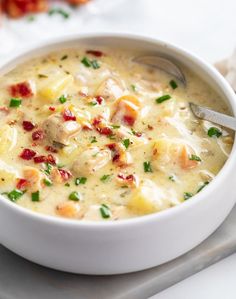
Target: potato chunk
column 8, row 138
column 60, row 131
column 148, row 198
column 7, row 173
column 55, row 86
column 91, row 161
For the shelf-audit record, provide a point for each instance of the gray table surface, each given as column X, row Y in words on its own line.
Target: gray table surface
column 21, row 279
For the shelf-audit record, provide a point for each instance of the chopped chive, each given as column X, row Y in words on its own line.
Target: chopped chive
column 93, row 139
column 15, row 102
column 62, row 99
column 195, row 158
column 105, row 178
column 75, row 196
column 67, row 185
column 187, row 195
column 90, row 63
column 147, row 166
column 48, row 168
column 47, row 182
column 133, row 87
column 173, row 84
column 214, row 132
column 35, row 196
column 59, row 11
column 115, row 126
column 86, row 62
column 171, row 178
column 15, row 194
column 93, row 103
column 64, row 57
column 163, row 98
column 203, row 186
column 80, row 181
column 95, row 64
column 42, row 76
column 105, row 211
column 126, row 143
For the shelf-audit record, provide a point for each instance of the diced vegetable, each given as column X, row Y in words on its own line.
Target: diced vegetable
column 35, row 196
column 163, row 98
column 80, row 181
column 15, row 103
column 173, row 84
column 105, row 211
column 75, row 196
column 147, row 166
column 187, row 195
column 15, row 194
column 214, row 132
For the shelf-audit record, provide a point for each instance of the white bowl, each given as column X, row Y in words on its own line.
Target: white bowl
column 126, row 245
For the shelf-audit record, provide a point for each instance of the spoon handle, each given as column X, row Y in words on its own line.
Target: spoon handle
column 213, row 116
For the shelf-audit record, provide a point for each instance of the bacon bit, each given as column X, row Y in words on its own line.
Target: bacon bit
column 28, row 125
column 65, row 174
column 27, row 154
column 115, row 151
column 51, row 108
column 12, row 122
column 130, row 179
column 150, row 127
column 21, row 184
column 95, row 53
column 45, row 159
column 34, row 144
column 101, row 127
column 40, row 159
column 138, row 134
column 22, row 90
column 68, row 115
column 51, row 159
column 51, row 149
column 99, row 100
column 87, row 128
column 111, row 146
column 38, row 135
column 128, row 120
column 116, row 158
column 18, row 8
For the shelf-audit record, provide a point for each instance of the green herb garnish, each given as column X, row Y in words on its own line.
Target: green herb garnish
column 62, row 99
column 173, row 84
column 64, row 57
column 15, row 103
column 133, row 87
column 90, row 63
column 105, row 211
column 93, row 103
column 203, row 186
column 147, row 166
column 195, row 158
column 48, row 168
column 42, row 76
column 187, row 195
column 171, row 178
column 163, row 98
column 126, row 143
column 15, row 194
column 115, row 126
column 35, row 196
column 47, row 182
column 80, row 181
column 105, row 178
column 93, row 139
column 67, row 185
column 214, row 132
column 59, row 11
column 75, row 196
column 31, row 18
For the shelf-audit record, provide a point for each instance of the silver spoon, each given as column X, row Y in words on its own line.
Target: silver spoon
column 213, row 116
column 162, row 63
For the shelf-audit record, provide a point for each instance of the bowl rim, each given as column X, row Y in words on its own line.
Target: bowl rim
column 154, row 217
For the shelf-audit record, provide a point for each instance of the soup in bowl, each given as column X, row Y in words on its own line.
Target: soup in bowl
column 108, row 156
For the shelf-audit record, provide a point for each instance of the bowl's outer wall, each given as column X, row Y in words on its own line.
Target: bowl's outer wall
column 129, row 245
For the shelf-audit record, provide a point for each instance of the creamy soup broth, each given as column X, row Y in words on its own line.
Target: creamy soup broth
column 89, row 134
